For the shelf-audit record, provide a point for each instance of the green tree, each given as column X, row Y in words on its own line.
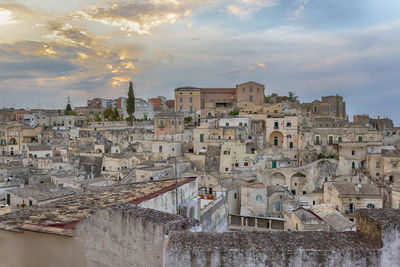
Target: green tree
column 130, row 105
column 234, row 112
column 98, row 118
column 115, row 116
column 108, row 113
column 292, row 97
column 68, row 110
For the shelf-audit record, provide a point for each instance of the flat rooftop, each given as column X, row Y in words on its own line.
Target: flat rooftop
column 61, row 216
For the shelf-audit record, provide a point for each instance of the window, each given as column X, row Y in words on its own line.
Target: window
column 226, row 123
column 317, row 140
column 371, row 206
column 258, row 198
column 276, row 125
column 173, row 122
column 352, row 153
column 251, row 98
column 191, row 99
column 30, row 202
column 291, row 145
column 160, row 149
column 360, row 139
column 201, row 138
column 162, row 123
column 180, row 100
column 251, row 88
column 394, row 165
column 289, row 124
column 226, row 169
column 278, row 206
column 235, row 196
column 330, row 139
column 353, row 165
column 339, row 139
column 378, row 164
column 276, row 141
column 289, row 136
column 258, row 90
column 180, row 122
column 244, row 89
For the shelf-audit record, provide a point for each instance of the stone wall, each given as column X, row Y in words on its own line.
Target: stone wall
column 376, row 243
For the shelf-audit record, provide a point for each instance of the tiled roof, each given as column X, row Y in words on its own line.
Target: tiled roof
column 60, row 217
column 365, row 190
column 333, row 217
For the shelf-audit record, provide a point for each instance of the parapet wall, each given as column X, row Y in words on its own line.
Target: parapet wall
column 376, row 243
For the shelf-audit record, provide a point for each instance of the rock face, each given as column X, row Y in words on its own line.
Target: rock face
column 376, row 243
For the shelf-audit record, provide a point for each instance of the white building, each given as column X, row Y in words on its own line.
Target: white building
column 38, row 151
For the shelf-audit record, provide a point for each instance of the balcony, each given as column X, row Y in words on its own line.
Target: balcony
column 241, row 222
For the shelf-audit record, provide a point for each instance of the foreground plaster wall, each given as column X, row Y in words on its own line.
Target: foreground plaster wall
column 25, row 248
column 126, row 235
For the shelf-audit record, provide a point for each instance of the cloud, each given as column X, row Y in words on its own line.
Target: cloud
column 7, row 17
column 244, row 8
column 65, row 33
column 299, row 7
column 136, row 18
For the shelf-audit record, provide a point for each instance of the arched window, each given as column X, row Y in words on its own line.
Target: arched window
column 13, row 141
column 258, row 197
column 371, row 206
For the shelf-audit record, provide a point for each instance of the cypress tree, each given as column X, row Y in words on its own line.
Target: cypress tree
column 130, row 105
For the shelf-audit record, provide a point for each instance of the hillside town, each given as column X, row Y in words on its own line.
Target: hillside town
column 146, row 182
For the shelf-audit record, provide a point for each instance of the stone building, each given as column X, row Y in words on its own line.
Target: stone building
column 282, row 131
column 347, row 198
column 395, row 198
column 329, row 106
column 189, row 99
column 302, row 219
column 143, row 110
column 169, row 123
column 236, row 155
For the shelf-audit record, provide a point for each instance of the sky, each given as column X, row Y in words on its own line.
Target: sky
column 51, row 50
